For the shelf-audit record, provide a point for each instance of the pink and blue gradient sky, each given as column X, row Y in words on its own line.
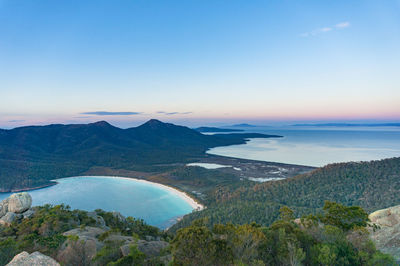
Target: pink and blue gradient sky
column 198, row 62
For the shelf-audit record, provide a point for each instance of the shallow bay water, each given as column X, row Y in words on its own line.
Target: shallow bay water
column 154, row 204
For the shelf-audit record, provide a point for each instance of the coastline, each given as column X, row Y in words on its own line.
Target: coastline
column 191, row 201
column 30, row 188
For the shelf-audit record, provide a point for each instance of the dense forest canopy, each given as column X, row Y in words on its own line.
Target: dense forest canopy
column 31, row 156
column 372, row 185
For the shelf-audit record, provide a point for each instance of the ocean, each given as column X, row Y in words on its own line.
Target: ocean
column 314, row 146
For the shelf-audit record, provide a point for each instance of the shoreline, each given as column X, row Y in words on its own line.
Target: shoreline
column 29, row 189
column 183, row 195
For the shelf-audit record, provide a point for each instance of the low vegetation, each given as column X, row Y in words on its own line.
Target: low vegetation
column 337, row 236
column 44, row 231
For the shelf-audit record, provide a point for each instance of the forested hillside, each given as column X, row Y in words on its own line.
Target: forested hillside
column 371, row 185
column 30, row 156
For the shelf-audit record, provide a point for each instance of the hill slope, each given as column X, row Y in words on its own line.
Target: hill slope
column 371, row 185
column 30, row 156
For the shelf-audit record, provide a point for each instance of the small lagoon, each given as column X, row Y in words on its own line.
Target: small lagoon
column 152, row 203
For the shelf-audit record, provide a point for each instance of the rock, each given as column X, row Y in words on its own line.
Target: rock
column 119, row 216
column 21, row 256
column 36, row 258
column 120, row 238
column 99, row 220
column 86, row 232
column 386, row 217
column 149, row 238
column 3, row 207
column 19, row 202
column 28, row 214
column 82, row 250
column 151, row 248
column 7, row 219
column 387, row 237
column 125, row 249
column 78, row 251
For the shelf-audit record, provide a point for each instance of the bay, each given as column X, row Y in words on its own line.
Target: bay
column 148, row 201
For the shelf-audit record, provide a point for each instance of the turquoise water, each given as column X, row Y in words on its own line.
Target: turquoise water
column 317, row 146
column 157, row 206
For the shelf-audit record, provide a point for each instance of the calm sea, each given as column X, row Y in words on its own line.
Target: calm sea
column 155, row 205
column 317, row 146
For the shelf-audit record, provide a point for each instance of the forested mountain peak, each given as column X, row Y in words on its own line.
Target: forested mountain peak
column 35, row 154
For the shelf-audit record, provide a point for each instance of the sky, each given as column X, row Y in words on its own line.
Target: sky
column 205, row 62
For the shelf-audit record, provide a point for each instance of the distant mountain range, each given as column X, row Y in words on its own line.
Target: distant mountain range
column 243, row 125
column 349, row 125
column 216, row 129
column 31, row 156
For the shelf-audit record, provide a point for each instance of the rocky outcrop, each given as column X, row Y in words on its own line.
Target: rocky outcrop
column 19, row 202
column 387, row 236
column 4, row 207
column 119, row 216
column 15, row 207
column 78, row 251
column 125, row 249
column 149, row 248
column 83, row 244
column 36, row 258
column 81, row 247
column 28, row 214
column 87, row 234
column 99, row 220
column 117, row 237
column 7, row 219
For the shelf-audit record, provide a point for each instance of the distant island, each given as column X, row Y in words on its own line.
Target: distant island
column 216, row 129
column 243, row 125
column 348, row 125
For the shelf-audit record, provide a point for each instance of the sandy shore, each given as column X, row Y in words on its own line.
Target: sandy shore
column 194, row 204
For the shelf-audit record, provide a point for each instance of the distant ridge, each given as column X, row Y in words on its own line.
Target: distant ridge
column 348, row 125
column 216, row 129
column 33, row 155
column 243, row 125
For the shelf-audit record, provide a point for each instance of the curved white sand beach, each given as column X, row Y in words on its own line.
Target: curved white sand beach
column 194, row 204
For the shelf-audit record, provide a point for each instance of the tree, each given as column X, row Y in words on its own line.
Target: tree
column 193, row 246
column 326, row 255
column 344, row 217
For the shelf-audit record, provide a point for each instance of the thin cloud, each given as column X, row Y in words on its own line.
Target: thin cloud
column 16, row 121
column 174, row 113
column 326, row 29
column 341, row 25
column 104, row 113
